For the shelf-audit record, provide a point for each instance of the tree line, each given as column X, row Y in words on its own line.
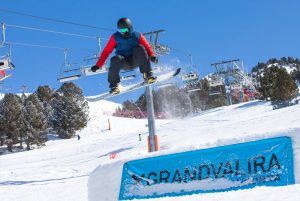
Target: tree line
column 27, row 120
column 291, row 61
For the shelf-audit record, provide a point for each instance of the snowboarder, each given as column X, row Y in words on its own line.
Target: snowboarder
column 132, row 50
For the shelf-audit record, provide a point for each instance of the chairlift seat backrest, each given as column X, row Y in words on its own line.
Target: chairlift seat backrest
column 216, row 83
column 190, row 76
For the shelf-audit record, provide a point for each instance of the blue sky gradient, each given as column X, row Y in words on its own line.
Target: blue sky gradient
column 210, row 30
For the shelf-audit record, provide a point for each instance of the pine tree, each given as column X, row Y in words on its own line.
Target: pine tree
column 129, row 105
column 45, row 95
column 291, row 60
column 284, row 87
column 70, row 110
column 277, row 85
column 11, row 115
column 267, row 82
column 296, row 75
column 2, row 133
column 35, row 122
column 141, row 103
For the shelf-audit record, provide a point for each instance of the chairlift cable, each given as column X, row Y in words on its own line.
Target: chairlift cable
column 55, row 20
column 51, row 31
column 35, row 45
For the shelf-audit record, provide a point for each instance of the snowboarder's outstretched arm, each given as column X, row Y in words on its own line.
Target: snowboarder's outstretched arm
column 106, row 51
column 148, row 48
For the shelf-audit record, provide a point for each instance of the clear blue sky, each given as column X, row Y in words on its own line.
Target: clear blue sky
column 210, row 30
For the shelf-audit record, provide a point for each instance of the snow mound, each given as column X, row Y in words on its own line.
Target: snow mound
column 222, row 126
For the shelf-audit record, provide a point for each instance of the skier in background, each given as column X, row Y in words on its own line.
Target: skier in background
column 132, row 50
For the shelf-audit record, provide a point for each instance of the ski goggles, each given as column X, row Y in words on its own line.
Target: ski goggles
column 123, row 30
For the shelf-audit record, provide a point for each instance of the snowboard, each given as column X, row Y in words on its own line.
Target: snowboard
column 125, row 89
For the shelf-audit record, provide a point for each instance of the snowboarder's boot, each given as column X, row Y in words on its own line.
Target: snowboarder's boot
column 149, row 78
column 115, row 89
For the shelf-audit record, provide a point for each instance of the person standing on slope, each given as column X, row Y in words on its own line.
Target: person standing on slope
column 132, row 50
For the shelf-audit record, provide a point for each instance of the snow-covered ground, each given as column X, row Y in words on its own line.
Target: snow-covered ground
column 61, row 170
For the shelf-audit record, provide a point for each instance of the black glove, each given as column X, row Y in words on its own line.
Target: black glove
column 94, row 68
column 154, row 59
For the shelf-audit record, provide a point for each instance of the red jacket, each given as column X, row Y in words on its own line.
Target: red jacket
column 110, row 46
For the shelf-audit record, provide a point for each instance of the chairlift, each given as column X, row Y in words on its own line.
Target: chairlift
column 6, row 64
column 5, row 61
column 86, row 69
column 191, row 79
column 191, row 82
column 160, row 49
column 215, row 87
column 71, row 77
column 215, row 83
column 67, row 73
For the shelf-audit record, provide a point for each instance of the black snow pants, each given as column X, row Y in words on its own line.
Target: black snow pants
column 139, row 57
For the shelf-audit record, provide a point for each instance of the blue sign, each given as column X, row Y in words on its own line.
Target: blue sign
column 261, row 163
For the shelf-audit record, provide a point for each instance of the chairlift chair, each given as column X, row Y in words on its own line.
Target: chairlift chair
column 191, row 81
column 215, row 83
column 190, row 76
column 67, row 78
column 161, row 49
column 5, row 61
column 6, row 64
column 215, row 87
column 69, row 75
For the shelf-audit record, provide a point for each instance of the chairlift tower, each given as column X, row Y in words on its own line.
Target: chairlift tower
column 231, row 71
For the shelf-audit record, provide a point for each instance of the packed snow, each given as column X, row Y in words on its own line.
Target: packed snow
column 70, row 169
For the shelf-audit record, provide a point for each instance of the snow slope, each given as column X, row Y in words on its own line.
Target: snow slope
column 70, row 169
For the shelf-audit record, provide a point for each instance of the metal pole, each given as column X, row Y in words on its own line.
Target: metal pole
column 66, row 55
column 9, row 51
column 99, row 46
column 151, row 120
column 3, row 35
column 228, row 90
